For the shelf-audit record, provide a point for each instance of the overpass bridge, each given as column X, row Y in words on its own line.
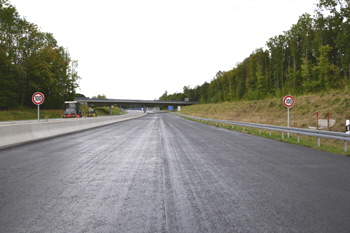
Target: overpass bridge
column 143, row 103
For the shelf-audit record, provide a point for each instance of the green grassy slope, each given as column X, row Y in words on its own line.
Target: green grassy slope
column 273, row 112
column 32, row 113
column 28, row 113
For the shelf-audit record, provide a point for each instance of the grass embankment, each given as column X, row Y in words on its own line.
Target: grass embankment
column 29, row 114
column 273, row 112
column 32, row 113
column 105, row 111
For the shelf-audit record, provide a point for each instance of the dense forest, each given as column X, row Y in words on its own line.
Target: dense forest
column 313, row 55
column 32, row 61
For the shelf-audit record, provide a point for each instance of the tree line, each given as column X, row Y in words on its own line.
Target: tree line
column 32, row 61
column 313, row 55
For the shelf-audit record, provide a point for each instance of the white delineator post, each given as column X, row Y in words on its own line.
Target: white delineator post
column 347, row 129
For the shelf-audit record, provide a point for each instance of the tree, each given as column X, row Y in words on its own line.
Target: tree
column 32, row 61
column 313, row 55
column 103, row 96
column 164, row 96
column 277, row 46
column 327, row 72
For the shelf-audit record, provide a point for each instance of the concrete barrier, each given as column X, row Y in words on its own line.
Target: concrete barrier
column 19, row 133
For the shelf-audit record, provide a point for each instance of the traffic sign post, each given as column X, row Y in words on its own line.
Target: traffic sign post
column 38, row 98
column 288, row 101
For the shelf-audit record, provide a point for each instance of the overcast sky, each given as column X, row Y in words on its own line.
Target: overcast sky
column 137, row 49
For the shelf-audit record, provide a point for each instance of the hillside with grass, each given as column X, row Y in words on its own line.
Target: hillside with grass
column 26, row 113
column 273, row 112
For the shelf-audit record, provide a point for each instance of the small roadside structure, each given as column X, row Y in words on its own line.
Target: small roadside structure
column 91, row 113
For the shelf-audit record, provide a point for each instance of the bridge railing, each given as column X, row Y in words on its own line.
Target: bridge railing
column 85, row 99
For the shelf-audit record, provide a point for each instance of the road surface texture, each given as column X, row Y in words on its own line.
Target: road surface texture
column 162, row 173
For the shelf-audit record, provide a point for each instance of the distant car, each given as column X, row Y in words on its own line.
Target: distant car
column 71, row 113
column 91, row 113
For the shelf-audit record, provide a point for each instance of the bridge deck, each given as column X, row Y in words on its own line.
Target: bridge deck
column 139, row 102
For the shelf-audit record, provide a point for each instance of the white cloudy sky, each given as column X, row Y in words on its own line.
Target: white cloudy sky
column 137, row 49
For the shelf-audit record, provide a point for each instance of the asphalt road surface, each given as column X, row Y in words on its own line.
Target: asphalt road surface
column 162, row 173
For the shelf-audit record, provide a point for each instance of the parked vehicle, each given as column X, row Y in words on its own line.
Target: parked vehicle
column 72, row 110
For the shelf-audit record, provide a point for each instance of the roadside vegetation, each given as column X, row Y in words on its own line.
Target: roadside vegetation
column 25, row 113
column 100, row 111
column 310, row 61
column 333, row 146
column 273, row 112
column 312, row 56
column 105, row 111
column 32, row 61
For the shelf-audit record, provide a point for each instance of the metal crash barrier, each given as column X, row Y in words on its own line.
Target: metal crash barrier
column 298, row 131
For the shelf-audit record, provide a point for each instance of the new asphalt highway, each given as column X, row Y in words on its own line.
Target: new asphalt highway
column 163, row 173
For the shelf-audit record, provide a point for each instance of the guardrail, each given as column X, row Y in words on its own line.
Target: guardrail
column 298, row 131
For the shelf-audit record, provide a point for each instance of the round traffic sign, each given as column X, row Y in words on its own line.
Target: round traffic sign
column 38, row 98
column 288, row 101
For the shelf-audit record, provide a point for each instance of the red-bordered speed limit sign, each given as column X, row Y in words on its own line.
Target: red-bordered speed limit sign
column 288, row 101
column 38, row 98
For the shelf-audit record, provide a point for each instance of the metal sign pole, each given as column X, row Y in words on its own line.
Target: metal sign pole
column 38, row 98
column 288, row 101
column 288, row 121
